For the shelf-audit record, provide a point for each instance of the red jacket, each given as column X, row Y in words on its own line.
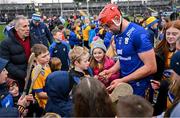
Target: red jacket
column 108, row 63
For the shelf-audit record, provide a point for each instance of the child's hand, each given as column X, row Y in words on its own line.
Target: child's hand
column 155, row 84
column 22, row 101
column 96, row 77
column 87, row 76
column 29, row 99
column 25, row 112
column 105, row 74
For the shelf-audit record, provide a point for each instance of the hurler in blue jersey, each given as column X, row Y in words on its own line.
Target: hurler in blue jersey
column 136, row 54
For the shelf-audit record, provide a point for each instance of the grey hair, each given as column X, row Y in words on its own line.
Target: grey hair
column 17, row 18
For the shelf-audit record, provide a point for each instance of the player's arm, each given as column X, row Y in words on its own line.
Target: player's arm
column 147, row 69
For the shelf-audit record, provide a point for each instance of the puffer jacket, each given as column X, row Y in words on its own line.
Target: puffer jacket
column 108, row 63
column 13, row 51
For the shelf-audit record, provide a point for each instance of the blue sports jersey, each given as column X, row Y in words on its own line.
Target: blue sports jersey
column 132, row 41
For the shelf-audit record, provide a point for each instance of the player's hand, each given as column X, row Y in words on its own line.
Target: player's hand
column 114, row 84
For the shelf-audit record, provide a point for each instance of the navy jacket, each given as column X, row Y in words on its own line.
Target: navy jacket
column 60, row 50
column 73, row 40
column 58, row 86
column 13, row 51
column 40, row 34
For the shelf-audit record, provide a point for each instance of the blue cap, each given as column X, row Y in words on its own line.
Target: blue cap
column 36, row 17
column 3, row 63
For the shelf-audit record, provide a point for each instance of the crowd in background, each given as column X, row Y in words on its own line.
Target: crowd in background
column 72, row 66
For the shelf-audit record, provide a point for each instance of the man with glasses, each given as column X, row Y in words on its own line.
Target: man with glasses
column 136, row 54
column 39, row 32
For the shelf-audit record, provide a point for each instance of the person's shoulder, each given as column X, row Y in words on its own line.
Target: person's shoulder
column 175, row 112
column 7, row 41
column 58, row 74
column 73, row 73
column 138, row 27
column 109, row 61
column 42, row 25
column 52, row 45
column 138, row 30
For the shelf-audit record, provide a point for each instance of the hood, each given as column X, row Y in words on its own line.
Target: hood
column 58, row 86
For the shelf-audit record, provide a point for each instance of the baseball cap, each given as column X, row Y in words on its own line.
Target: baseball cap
column 36, row 17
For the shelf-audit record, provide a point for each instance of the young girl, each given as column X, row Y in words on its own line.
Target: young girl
column 165, row 50
column 100, row 62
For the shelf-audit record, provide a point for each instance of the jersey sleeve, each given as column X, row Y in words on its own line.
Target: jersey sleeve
column 142, row 42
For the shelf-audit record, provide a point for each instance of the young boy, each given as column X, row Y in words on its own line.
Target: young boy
column 42, row 58
column 6, row 99
column 79, row 57
column 55, row 64
column 59, row 49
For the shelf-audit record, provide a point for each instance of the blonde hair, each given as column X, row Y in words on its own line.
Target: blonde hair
column 111, row 51
column 38, row 49
column 76, row 53
column 51, row 115
column 55, row 64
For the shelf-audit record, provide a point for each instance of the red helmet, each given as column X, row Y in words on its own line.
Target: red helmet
column 108, row 13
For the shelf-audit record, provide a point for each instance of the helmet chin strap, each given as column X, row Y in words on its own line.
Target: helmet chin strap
column 119, row 24
column 116, row 22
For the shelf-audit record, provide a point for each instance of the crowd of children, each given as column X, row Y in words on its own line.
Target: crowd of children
column 71, row 80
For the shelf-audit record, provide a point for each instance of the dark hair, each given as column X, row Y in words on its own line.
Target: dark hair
column 134, row 106
column 174, row 16
column 60, row 27
column 10, row 82
column 93, row 26
column 92, row 100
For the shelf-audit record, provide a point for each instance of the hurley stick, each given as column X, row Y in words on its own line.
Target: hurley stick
column 36, row 71
column 28, row 73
